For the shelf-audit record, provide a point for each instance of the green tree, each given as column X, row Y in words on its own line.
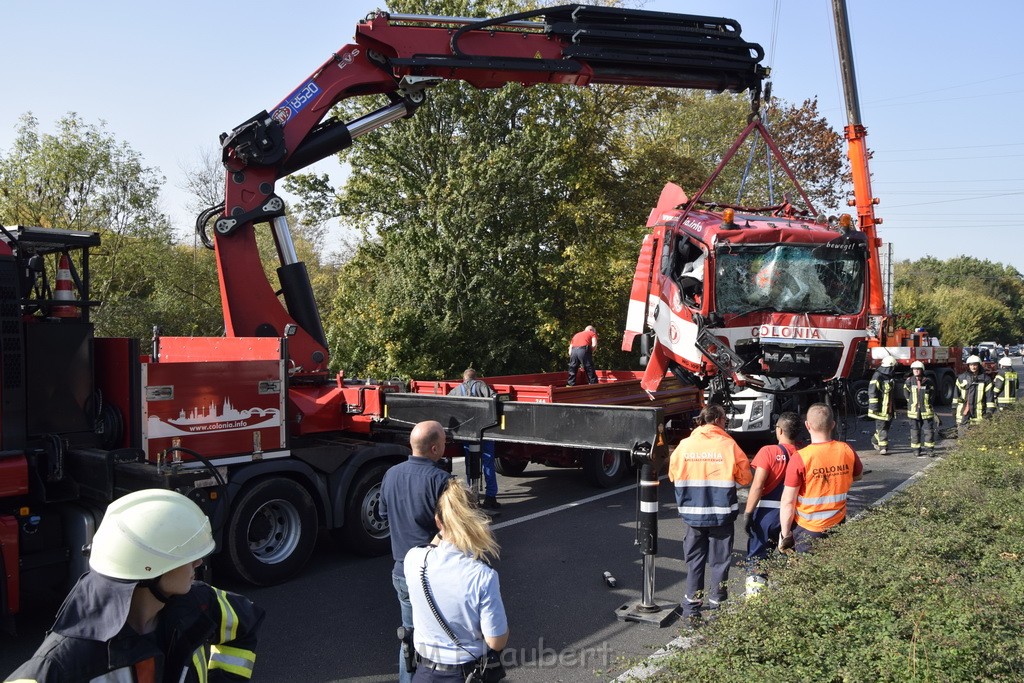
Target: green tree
column 963, row 299
column 82, row 178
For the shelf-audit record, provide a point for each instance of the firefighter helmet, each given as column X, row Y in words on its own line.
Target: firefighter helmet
column 917, row 365
column 973, row 359
column 888, row 362
column 148, row 533
column 1005, row 362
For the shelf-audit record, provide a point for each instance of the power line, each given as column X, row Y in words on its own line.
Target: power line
column 950, row 201
column 987, row 156
column 930, row 182
column 933, row 149
column 949, row 87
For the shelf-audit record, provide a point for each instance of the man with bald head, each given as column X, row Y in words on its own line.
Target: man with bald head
column 818, row 479
column 408, row 502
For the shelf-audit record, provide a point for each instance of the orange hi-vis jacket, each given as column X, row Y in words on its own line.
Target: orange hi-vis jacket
column 705, row 468
column 829, row 469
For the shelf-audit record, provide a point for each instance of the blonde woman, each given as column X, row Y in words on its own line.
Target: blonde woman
column 457, row 611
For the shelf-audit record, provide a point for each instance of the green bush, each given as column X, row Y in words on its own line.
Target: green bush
column 927, row 587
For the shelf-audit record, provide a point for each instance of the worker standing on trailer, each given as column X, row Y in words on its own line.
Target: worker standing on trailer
column 882, row 403
column 1005, row 384
column 706, row 467
column 818, row 479
column 479, row 455
column 408, row 502
column 973, row 401
column 139, row 615
column 919, row 390
column 581, row 352
column 761, row 517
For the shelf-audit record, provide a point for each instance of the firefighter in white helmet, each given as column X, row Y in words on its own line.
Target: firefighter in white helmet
column 919, row 390
column 973, row 401
column 138, row 615
column 1005, row 384
column 882, row 403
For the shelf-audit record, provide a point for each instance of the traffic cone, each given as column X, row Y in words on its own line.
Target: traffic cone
column 65, row 291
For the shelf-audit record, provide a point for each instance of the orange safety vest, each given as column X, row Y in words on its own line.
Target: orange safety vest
column 828, row 476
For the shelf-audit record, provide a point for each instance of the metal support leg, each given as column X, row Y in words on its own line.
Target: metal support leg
column 648, row 610
column 474, row 469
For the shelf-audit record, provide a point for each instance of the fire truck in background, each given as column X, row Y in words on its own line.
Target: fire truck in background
column 251, row 425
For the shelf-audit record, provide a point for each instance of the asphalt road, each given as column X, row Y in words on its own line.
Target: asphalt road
column 337, row 620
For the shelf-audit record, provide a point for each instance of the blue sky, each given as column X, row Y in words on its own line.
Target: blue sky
column 941, row 87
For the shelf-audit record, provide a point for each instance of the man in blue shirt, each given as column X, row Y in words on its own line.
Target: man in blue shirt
column 408, row 501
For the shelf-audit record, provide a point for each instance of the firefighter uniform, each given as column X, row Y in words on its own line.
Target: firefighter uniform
column 205, row 635
column 919, row 390
column 882, row 405
column 974, row 400
column 1004, row 387
column 706, row 468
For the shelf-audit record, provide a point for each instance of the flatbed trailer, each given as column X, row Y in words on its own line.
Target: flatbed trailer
column 678, row 401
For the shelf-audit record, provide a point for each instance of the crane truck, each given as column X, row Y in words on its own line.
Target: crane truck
column 252, row 425
column 773, row 307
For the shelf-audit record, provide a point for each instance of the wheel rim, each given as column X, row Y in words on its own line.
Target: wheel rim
column 273, row 531
column 611, row 463
column 860, row 397
column 373, row 523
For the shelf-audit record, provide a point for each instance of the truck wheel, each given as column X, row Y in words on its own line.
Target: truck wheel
column 508, row 467
column 365, row 532
column 271, row 531
column 945, row 389
column 605, row 467
column 859, row 396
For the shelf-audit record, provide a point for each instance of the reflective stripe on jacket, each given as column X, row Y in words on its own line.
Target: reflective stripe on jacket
column 828, row 476
column 920, row 395
column 205, row 636
column 1005, row 387
column 974, row 398
column 705, row 468
column 880, row 399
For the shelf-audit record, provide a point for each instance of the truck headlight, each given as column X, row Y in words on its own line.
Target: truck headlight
column 756, row 414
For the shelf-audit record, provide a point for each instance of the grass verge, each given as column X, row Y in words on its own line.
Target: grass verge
column 927, row 587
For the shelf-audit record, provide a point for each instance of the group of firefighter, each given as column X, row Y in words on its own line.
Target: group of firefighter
column 977, row 396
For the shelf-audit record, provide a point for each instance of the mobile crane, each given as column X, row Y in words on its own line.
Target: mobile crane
column 251, row 425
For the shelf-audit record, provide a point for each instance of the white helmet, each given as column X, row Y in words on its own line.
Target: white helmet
column 888, row 362
column 917, row 365
column 973, row 359
column 1005, row 361
column 148, row 533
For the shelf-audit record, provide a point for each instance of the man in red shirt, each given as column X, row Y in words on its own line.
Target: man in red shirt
column 581, row 352
column 761, row 516
column 818, row 479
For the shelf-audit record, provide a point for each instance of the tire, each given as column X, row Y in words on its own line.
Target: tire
column 509, row 467
column 945, row 389
column 605, row 468
column 271, row 531
column 365, row 532
column 859, row 396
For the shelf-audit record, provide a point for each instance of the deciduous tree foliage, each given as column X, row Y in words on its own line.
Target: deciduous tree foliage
column 82, row 178
column 964, row 299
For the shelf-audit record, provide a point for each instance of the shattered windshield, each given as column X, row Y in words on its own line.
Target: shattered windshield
column 789, row 278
